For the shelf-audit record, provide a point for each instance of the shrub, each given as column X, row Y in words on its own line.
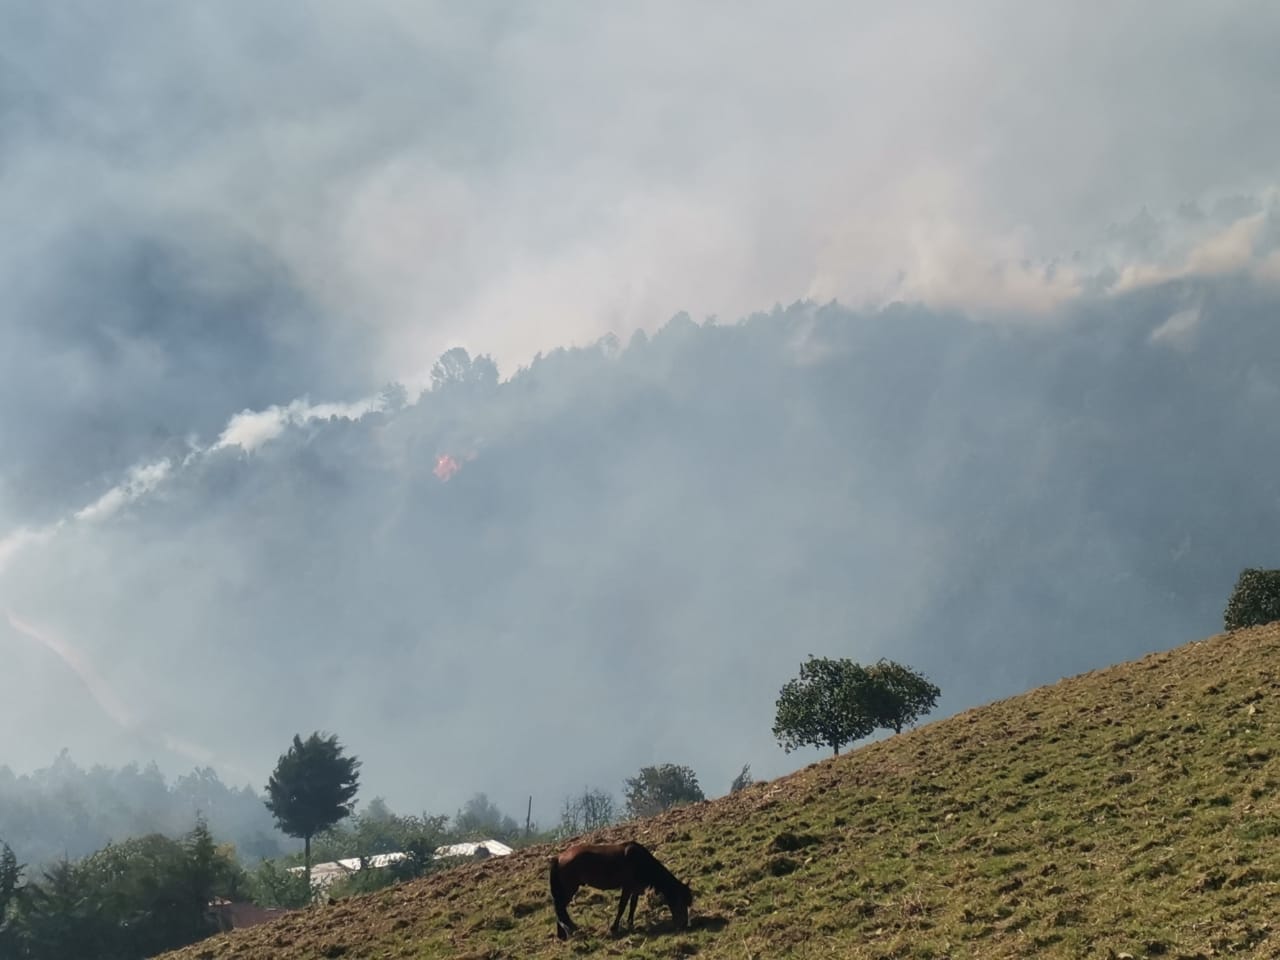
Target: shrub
column 1255, row 599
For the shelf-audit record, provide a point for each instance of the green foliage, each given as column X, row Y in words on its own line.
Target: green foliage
column 660, row 788
column 128, row 900
column 825, row 706
column 377, row 830
column 480, row 819
column 421, row 858
column 419, row 861
column 11, row 895
column 742, row 780
column 835, row 702
column 313, row 787
column 458, row 370
column 897, row 695
column 365, row 880
column 589, row 810
column 66, row 811
column 65, row 916
column 1255, row 599
column 272, row 885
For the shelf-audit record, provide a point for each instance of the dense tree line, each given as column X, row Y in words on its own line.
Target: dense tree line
column 143, row 895
column 67, row 811
column 128, row 901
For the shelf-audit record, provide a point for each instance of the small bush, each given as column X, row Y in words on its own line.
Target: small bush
column 781, row 866
column 1255, row 599
column 787, row 842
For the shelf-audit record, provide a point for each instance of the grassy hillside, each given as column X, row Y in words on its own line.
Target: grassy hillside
column 1131, row 810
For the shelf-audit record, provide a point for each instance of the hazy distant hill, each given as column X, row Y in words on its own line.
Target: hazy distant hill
column 997, row 505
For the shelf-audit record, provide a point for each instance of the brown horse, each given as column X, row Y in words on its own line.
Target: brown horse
column 628, row 867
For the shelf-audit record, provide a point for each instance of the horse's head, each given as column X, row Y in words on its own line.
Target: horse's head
column 680, row 899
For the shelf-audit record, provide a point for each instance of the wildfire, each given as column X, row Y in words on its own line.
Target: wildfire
column 446, row 467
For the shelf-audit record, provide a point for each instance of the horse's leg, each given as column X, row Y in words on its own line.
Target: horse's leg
column 561, row 893
column 565, row 927
column 631, row 919
column 570, row 927
column 622, row 905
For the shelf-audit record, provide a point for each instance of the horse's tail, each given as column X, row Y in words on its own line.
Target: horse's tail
column 563, row 924
column 557, row 888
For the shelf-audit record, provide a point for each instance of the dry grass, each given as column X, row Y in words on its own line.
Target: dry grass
column 1131, row 810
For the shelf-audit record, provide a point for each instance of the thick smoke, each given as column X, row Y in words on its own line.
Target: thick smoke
column 637, row 546
column 1034, row 438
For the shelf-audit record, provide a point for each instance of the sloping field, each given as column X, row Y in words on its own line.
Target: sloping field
column 1131, row 810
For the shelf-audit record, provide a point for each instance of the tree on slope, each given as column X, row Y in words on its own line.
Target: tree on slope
column 1255, row 599
column 834, row 702
column 825, row 706
column 312, row 788
column 480, row 819
column 589, row 810
column 897, row 695
column 660, row 788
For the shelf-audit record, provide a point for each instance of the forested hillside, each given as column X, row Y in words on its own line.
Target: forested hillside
column 65, row 811
column 998, row 505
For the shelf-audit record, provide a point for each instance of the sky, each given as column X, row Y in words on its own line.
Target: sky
column 225, row 223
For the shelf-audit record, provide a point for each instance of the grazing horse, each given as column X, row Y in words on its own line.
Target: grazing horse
column 628, row 867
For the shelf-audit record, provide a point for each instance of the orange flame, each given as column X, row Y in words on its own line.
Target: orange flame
column 446, row 467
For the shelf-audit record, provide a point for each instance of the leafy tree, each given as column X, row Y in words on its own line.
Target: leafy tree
column 377, row 811
column 64, row 916
column 274, row 886
column 11, row 895
column 742, row 780
column 394, row 397
column 897, row 695
column 456, row 368
column 155, row 890
column 1255, row 599
column 129, row 900
column 312, row 788
column 660, row 788
column 421, row 858
column 210, row 869
column 480, row 819
column 377, row 830
column 589, row 810
column 825, row 706
column 63, row 810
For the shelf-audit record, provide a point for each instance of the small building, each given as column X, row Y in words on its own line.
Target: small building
column 475, row 849
column 324, row 874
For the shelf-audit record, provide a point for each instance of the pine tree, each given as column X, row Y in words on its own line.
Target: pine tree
column 312, row 788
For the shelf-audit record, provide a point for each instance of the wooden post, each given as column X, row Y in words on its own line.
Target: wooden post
column 528, row 817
